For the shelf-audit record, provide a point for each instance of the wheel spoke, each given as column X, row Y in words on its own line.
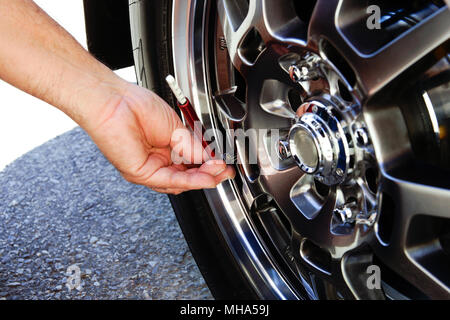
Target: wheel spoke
column 279, row 185
column 230, row 107
column 404, row 198
column 306, row 198
column 355, row 275
column 274, row 99
column 406, row 229
column 309, row 212
column 377, row 69
column 248, row 28
column 404, row 265
column 346, row 277
column 413, row 198
column 392, row 60
column 236, row 22
column 279, row 23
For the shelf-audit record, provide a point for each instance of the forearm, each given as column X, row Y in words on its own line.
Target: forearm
column 41, row 58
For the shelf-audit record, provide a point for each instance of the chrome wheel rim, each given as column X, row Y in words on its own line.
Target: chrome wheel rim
column 325, row 255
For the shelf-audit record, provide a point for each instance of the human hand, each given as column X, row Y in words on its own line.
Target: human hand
column 132, row 126
column 136, row 132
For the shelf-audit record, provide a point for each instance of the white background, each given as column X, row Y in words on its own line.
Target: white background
column 26, row 122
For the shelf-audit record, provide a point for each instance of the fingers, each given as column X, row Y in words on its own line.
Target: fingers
column 188, row 148
column 226, row 174
column 169, row 177
column 218, row 169
column 158, row 174
column 212, row 167
column 174, row 181
column 169, row 191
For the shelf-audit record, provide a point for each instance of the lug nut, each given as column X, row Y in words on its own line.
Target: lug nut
column 307, row 70
column 283, row 150
column 295, row 73
column 345, row 214
column 362, row 138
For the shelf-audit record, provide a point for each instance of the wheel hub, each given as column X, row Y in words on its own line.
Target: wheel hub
column 318, row 143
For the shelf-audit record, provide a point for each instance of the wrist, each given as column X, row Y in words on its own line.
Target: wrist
column 95, row 100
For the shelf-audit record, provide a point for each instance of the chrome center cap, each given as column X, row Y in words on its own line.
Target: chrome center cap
column 318, row 144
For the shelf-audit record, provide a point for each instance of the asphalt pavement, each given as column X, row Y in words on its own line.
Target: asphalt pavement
column 72, row 228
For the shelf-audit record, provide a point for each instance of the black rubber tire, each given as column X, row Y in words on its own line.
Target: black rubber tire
column 153, row 60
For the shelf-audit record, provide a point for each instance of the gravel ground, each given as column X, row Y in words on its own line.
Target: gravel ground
column 63, row 205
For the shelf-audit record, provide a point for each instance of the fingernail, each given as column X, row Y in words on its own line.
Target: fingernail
column 219, row 172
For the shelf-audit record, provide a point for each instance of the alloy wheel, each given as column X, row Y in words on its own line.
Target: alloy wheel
column 344, row 184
